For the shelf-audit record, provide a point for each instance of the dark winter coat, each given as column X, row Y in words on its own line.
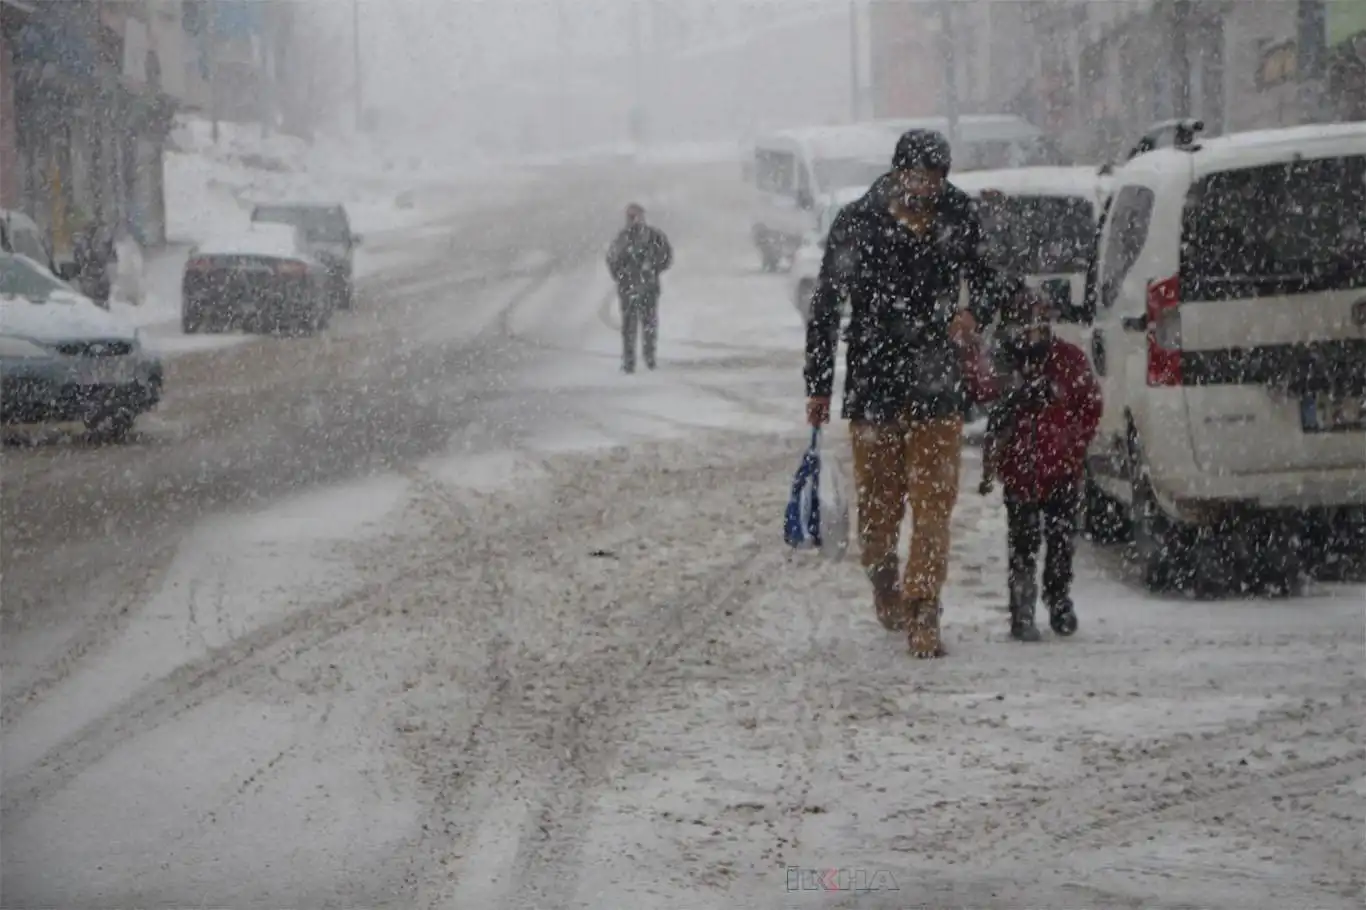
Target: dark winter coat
column 903, row 291
column 1039, row 431
column 637, row 258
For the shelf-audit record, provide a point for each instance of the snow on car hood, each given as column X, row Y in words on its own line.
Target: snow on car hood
column 275, row 241
column 64, row 316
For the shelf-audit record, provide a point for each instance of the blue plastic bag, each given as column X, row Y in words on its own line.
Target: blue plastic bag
column 802, row 523
column 817, row 515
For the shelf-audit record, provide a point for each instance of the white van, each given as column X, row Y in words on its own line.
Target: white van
column 797, row 171
column 1227, row 319
column 988, row 141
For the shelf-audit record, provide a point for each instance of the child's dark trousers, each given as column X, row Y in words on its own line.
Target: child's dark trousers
column 1051, row 521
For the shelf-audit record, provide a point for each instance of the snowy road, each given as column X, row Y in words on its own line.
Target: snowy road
column 439, row 610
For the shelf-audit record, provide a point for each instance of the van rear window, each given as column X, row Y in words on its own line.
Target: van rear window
column 1292, row 228
column 1038, row 235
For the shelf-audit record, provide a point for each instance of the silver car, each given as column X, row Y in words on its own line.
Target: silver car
column 64, row 359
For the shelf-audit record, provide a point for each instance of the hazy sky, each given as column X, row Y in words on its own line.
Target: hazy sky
column 508, row 68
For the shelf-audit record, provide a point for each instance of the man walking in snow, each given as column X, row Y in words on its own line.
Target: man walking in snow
column 636, row 259
column 1037, row 436
column 899, row 255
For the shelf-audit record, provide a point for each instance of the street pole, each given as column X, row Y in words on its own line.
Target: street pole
column 855, row 64
column 950, row 51
column 637, row 73
column 355, row 54
column 562, row 114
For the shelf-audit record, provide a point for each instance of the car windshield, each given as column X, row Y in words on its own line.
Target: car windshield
column 21, row 278
column 837, row 173
column 327, row 225
column 1039, row 235
column 1300, row 223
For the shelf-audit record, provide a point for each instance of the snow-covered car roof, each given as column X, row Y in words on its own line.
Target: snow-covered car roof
column 866, row 141
column 1035, row 181
column 37, row 306
column 261, row 238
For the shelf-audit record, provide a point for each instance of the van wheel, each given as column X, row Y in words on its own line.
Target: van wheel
column 1275, row 565
column 768, row 260
column 1105, row 520
column 1161, row 546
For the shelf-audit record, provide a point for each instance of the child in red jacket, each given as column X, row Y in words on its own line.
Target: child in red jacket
column 1037, row 436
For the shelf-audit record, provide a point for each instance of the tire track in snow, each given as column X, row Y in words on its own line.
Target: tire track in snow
column 192, row 683
column 546, row 868
column 546, row 732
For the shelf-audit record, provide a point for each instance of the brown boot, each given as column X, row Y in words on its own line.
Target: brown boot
column 887, row 596
column 923, row 624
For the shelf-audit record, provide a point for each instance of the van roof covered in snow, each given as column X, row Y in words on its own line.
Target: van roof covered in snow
column 1253, row 148
column 1035, row 181
column 855, row 140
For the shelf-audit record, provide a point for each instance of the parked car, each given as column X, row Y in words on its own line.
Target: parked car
column 261, row 279
column 1225, row 311
column 20, row 234
column 806, row 262
column 328, row 237
column 1040, row 223
column 64, row 359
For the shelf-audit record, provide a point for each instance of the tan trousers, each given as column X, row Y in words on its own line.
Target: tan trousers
column 900, row 463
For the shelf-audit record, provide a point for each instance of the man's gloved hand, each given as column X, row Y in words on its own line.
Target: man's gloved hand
column 986, row 487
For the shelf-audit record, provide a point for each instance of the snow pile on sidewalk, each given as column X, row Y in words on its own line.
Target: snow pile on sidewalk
column 212, row 183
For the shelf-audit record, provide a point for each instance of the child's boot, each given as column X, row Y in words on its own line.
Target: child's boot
column 1062, row 617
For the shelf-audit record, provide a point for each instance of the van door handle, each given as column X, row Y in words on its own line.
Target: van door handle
column 1098, row 352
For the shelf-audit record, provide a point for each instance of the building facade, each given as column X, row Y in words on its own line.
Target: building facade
column 90, row 121
column 1097, row 73
column 12, row 17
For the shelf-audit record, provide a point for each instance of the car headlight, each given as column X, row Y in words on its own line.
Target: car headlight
column 20, row 349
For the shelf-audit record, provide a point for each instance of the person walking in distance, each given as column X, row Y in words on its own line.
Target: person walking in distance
column 899, row 255
column 1037, row 436
column 636, row 259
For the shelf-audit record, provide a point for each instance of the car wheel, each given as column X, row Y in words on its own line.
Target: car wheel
column 110, row 426
column 1275, row 562
column 1160, row 544
column 190, row 323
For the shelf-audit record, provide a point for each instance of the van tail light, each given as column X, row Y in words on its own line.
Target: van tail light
column 1164, row 332
column 291, row 268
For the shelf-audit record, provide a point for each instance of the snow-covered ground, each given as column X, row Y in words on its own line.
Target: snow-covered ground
column 583, row 671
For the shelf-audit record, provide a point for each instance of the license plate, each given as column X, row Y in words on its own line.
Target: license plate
column 1328, row 414
column 107, row 371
